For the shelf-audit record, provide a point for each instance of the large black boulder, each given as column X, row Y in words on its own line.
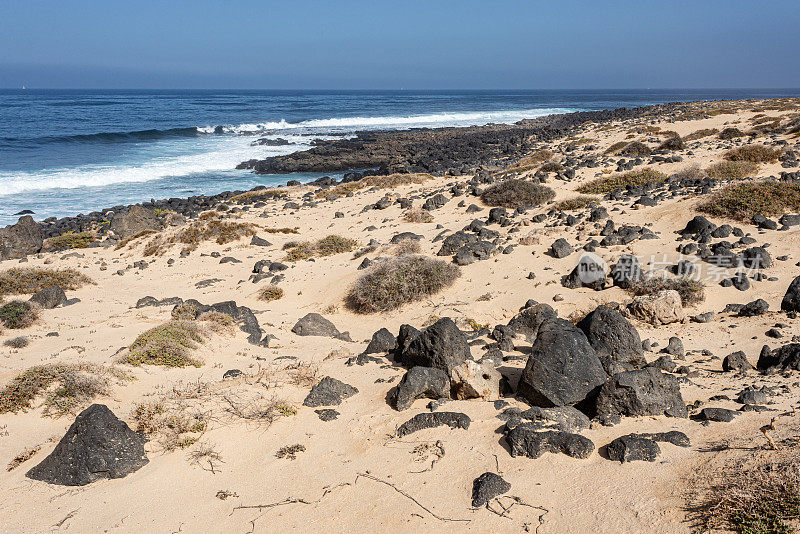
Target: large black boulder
column 615, row 340
column 639, row 393
column 329, row 392
column 314, row 324
column 783, row 358
column 49, row 297
column 528, row 321
column 421, row 382
column 97, row 445
column 791, row 300
column 432, row 420
column 527, row 440
column 562, row 369
column 382, row 341
column 20, row 239
column 442, row 346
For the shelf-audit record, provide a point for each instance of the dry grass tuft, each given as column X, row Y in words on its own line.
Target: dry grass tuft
column 754, row 154
column 394, row 282
column 210, row 229
column 327, row 246
column 406, row 246
column 417, row 215
column 70, row 240
column 531, row 162
column 517, row 194
column 30, row 280
column 67, row 387
column 732, row 170
column 692, row 172
column 22, row 457
column 383, row 182
column 18, row 314
column 741, row 201
column 607, row 184
column 303, row 374
column 577, row 203
column 270, row 293
column 691, row 291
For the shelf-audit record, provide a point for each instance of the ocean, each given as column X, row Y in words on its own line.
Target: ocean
column 64, row 152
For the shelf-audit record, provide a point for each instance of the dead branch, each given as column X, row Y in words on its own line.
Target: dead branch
column 403, row 493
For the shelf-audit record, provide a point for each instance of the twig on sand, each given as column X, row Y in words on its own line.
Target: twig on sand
column 517, row 501
column 66, row 518
column 404, row 494
column 771, row 426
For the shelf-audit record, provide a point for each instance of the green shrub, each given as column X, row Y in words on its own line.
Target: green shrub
column 18, row 314
column 327, row 246
column 397, row 281
column 607, row 184
column 754, row 153
column 70, row 240
column 517, row 194
column 743, row 200
column 30, row 280
column 169, row 344
column 732, row 170
column 576, row 203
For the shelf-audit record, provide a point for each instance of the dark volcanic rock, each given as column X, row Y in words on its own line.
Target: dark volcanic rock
column 97, row 445
column 327, row 414
column 382, row 341
column 647, row 391
column 736, row 361
column 633, row 447
column 49, row 297
column 20, row 239
column 560, row 248
column 314, row 324
column 421, row 382
column 526, row 440
column 783, row 358
column 329, row 392
column 431, row 420
column 564, row 418
column 615, row 340
column 791, row 301
column 562, row 368
column 442, row 345
column 721, row 415
column 486, row 487
column 751, row 309
column 528, row 321
column 137, row 219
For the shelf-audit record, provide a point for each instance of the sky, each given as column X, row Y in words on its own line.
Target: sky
column 394, row 44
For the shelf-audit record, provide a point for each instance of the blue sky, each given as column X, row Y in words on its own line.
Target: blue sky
column 433, row 44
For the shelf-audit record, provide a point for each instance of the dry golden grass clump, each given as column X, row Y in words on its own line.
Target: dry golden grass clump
column 607, row 184
column 67, row 387
column 754, row 154
column 259, row 194
column 30, row 280
column 397, row 281
column 17, row 314
column 626, row 148
column 209, row 229
column 692, row 172
column 327, row 246
column 741, row 201
column 270, row 293
column 517, row 194
column 383, row 182
column 531, row 162
column 283, row 230
column 577, row 203
column 691, row 291
column 699, row 134
column 417, row 215
column 70, row 240
column 406, row 246
column 732, row 170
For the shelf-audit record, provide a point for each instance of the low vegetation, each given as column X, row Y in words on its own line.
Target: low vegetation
column 626, row 148
column 270, row 293
column 517, row 194
column 700, row 134
column 327, row 246
column 70, row 240
column 754, row 154
column 417, row 215
column 19, row 342
column 732, row 170
column 691, row 291
column 741, row 201
column 18, row 314
column 607, row 184
column 406, row 246
column 389, row 181
column 27, row 281
column 530, row 162
column 692, row 172
column 200, row 231
column 397, row 281
column 67, row 387
column 576, row 203
column 551, row 166
column 258, row 194
column 731, row 133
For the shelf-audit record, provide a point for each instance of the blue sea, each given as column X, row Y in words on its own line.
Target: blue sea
column 64, row 152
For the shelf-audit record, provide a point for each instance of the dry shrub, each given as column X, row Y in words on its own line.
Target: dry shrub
column 19, row 342
column 217, row 322
column 417, row 215
column 754, row 154
column 394, row 282
column 731, row 133
column 383, row 182
column 30, row 280
column 70, row 240
column 517, row 194
column 22, row 457
column 18, row 314
column 699, row 134
column 221, row 232
column 67, row 387
column 284, row 230
column 741, row 201
column 270, row 293
column 169, row 344
column 732, row 170
column 607, row 184
column 577, row 203
column 691, row 291
column 551, row 166
column 327, row 246
column 692, row 172
column 531, row 162
column 302, row 374
column 289, row 452
column 134, row 237
column 635, row 148
column 406, row 246
column 673, row 143
column 259, row 194
column 616, row 147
